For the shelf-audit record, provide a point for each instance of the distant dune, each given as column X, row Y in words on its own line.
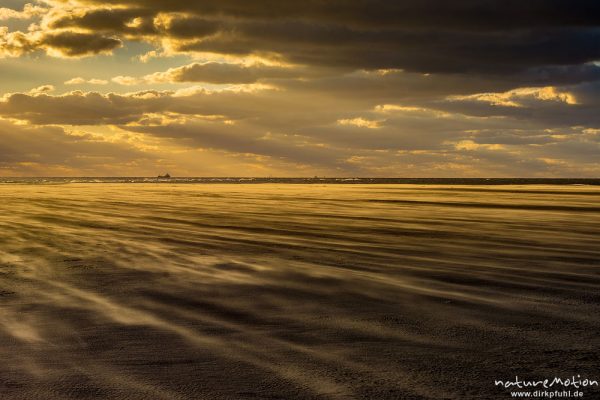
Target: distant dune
column 275, row 291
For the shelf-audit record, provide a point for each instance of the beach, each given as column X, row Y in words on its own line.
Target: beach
column 295, row 291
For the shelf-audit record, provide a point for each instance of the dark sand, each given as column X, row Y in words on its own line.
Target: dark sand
column 295, row 291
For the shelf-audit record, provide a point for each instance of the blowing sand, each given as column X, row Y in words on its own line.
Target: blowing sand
column 144, row 291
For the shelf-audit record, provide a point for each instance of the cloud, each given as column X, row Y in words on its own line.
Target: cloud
column 93, row 108
column 350, row 87
column 52, row 151
column 215, row 72
column 471, row 145
column 78, row 108
column 73, row 44
column 75, row 81
column 119, row 20
column 493, row 37
column 234, row 73
column 55, row 43
column 330, row 133
column 41, row 89
column 98, row 82
column 519, row 97
column 380, row 13
column 29, row 11
column 81, row 81
column 127, row 80
column 245, row 138
column 360, row 122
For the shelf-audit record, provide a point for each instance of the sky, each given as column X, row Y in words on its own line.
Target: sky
column 396, row 88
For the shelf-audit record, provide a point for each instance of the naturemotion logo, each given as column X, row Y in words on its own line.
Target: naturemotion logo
column 561, row 387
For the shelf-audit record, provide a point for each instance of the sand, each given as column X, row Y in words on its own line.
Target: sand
column 160, row 291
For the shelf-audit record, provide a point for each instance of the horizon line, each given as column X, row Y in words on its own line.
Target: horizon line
column 278, row 177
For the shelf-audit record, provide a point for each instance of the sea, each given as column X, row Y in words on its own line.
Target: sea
column 314, row 180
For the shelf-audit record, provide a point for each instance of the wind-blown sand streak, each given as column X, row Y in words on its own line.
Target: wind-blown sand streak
column 294, row 291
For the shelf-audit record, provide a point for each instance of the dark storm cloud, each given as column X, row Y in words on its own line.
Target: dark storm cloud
column 424, row 36
column 108, row 20
column 79, row 44
column 421, row 51
column 59, row 43
column 559, row 75
column 461, row 14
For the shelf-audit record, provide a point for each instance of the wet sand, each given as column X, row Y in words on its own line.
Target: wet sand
column 160, row 291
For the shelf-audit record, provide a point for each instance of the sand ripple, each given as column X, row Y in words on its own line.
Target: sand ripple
column 294, row 291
